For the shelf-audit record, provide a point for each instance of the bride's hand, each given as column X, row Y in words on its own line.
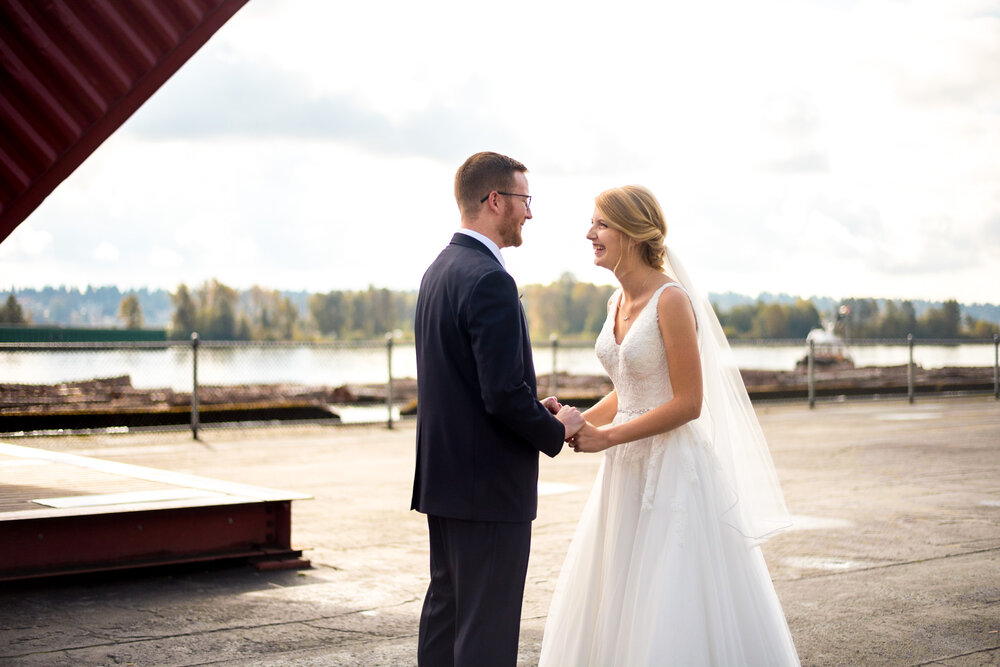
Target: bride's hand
column 590, row 439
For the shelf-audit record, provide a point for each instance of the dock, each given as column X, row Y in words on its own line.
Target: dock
column 893, row 560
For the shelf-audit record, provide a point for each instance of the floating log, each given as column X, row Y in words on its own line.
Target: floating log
column 114, row 402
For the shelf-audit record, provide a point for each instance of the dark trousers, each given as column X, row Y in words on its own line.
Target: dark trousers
column 472, row 611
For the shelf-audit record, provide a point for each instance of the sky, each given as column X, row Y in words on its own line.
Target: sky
column 809, row 147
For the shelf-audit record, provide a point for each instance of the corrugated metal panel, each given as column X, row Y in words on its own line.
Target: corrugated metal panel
column 74, row 71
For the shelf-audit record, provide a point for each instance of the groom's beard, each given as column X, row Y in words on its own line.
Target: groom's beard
column 510, row 232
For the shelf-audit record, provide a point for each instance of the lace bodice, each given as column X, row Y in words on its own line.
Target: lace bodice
column 638, row 367
column 639, row 370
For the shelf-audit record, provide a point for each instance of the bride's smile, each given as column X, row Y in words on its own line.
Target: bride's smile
column 605, row 241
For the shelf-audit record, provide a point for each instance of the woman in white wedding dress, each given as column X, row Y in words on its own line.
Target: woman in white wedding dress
column 665, row 567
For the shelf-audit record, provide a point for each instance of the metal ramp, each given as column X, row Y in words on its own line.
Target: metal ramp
column 67, row 514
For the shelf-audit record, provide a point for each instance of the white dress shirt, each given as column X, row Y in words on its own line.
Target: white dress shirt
column 486, row 241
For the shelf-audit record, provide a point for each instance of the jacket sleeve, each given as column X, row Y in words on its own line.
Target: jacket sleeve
column 498, row 342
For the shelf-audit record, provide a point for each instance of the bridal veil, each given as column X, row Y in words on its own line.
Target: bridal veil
column 758, row 507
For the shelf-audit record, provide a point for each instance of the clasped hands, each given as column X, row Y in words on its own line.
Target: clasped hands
column 581, row 435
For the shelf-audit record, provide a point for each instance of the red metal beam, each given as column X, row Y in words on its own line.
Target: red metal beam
column 52, row 522
column 46, row 547
column 73, row 72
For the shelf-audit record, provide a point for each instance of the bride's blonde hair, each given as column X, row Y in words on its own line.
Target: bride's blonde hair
column 634, row 211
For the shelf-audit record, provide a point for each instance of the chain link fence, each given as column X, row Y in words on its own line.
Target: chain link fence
column 125, row 387
column 56, row 388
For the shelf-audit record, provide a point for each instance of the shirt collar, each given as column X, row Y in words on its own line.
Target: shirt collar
column 486, row 241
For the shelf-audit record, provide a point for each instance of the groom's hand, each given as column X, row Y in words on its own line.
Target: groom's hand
column 571, row 419
column 591, row 439
column 552, row 404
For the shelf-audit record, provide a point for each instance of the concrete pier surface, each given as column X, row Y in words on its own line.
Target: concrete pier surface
column 895, row 559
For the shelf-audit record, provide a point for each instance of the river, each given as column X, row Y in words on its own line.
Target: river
column 335, row 366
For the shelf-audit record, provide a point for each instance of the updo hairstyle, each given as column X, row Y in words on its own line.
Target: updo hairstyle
column 634, row 211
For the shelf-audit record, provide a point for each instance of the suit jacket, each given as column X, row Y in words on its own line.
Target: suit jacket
column 480, row 426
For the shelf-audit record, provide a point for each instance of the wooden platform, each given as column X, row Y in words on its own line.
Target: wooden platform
column 67, row 514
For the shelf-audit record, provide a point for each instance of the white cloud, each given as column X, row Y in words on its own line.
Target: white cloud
column 106, row 253
column 830, row 148
column 26, row 242
column 164, row 258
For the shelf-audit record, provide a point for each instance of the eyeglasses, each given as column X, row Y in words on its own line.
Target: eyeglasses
column 527, row 198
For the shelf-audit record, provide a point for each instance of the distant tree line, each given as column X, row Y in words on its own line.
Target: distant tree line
column 219, row 312
column 854, row 318
column 769, row 320
column 360, row 315
column 567, row 308
column 896, row 319
column 89, row 307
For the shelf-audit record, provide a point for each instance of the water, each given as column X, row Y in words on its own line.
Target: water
column 328, row 366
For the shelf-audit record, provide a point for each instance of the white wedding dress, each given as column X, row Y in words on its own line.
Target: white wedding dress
column 658, row 573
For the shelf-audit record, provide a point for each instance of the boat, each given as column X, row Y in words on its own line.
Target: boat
column 829, row 349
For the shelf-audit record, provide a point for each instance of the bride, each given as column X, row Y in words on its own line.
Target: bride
column 665, row 567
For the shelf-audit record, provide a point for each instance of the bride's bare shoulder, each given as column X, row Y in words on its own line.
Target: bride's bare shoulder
column 674, row 306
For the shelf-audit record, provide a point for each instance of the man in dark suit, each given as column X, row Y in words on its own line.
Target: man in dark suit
column 480, row 425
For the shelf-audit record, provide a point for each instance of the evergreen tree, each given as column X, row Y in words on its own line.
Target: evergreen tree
column 943, row 322
column 771, row 321
column 11, row 312
column 329, row 313
column 130, row 312
column 217, row 311
column 738, row 320
column 361, row 322
column 382, row 309
column 286, row 317
column 802, row 318
column 898, row 320
column 185, row 317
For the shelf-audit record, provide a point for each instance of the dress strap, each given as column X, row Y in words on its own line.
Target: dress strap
column 613, row 299
column 671, row 284
column 659, row 290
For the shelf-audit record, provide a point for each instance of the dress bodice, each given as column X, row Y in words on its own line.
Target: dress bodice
column 638, row 366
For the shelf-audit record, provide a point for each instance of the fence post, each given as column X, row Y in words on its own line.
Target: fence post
column 909, row 368
column 996, row 366
column 195, row 417
column 554, row 385
column 388, row 387
column 812, row 374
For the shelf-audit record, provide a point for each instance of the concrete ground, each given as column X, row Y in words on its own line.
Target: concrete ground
column 895, row 561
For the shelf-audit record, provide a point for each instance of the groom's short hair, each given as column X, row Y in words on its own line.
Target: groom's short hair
column 480, row 175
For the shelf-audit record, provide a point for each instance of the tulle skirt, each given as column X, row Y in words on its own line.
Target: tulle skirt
column 658, row 572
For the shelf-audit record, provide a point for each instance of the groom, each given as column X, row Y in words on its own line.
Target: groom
column 480, row 425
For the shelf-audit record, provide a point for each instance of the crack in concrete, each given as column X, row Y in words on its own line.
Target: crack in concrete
column 234, row 628
column 940, row 661
column 240, row 661
column 820, row 575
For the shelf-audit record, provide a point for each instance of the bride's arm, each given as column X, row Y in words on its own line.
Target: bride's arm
column 603, row 411
column 680, row 342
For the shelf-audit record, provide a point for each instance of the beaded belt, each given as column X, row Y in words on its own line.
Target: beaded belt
column 633, row 411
